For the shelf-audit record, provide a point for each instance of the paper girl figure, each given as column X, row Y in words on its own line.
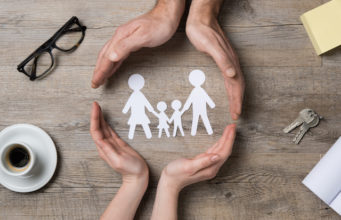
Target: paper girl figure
column 163, row 119
column 176, row 117
column 198, row 99
column 137, row 103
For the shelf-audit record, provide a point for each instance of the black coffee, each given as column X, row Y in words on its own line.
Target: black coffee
column 19, row 157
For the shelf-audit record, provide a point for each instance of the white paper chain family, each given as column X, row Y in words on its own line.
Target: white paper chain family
column 137, row 103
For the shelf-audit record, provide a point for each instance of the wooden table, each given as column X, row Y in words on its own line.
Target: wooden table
column 261, row 180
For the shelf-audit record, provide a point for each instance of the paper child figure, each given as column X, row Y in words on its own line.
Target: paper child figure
column 198, row 99
column 137, row 103
column 176, row 117
column 163, row 118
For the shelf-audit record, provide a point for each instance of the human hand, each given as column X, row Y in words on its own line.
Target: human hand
column 205, row 33
column 115, row 152
column 183, row 172
column 149, row 30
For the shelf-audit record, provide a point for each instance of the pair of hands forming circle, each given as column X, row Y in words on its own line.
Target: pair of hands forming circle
column 178, row 174
column 150, row 30
column 157, row 27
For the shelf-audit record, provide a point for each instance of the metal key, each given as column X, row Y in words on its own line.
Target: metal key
column 306, row 115
column 305, row 127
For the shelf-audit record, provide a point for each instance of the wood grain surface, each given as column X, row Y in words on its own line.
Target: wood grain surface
column 261, row 180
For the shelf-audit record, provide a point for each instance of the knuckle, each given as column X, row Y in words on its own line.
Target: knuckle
column 187, row 169
column 210, row 174
column 204, row 163
column 223, row 57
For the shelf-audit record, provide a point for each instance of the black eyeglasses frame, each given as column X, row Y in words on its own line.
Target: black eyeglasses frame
column 49, row 45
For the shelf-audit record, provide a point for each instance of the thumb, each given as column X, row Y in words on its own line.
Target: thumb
column 121, row 49
column 223, row 60
column 204, row 161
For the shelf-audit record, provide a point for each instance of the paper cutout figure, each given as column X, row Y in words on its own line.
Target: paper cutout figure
column 198, row 99
column 137, row 103
column 163, row 118
column 176, row 117
column 325, row 178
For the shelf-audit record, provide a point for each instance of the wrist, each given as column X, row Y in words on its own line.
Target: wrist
column 167, row 184
column 170, row 10
column 204, row 11
column 138, row 183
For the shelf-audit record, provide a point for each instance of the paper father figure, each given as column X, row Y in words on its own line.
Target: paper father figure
column 199, row 101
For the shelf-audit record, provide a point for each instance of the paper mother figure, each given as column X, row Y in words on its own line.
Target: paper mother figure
column 137, row 103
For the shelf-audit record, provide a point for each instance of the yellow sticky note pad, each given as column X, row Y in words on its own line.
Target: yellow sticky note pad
column 323, row 25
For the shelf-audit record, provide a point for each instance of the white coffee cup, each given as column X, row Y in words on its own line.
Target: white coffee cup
column 17, row 159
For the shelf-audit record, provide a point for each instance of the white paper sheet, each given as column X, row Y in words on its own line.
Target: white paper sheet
column 336, row 204
column 325, row 178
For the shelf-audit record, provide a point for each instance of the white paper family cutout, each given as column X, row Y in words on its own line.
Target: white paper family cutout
column 137, row 103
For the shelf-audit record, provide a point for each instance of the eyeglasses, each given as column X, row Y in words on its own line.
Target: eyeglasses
column 41, row 61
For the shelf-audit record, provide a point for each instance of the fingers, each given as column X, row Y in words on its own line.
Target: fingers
column 202, row 162
column 95, row 122
column 103, row 69
column 113, row 53
column 222, row 58
column 120, row 49
column 235, row 92
column 108, row 150
column 208, row 173
column 102, row 154
column 224, row 148
column 117, row 139
column 213, row 147
column 104, row 125
column 224, row 145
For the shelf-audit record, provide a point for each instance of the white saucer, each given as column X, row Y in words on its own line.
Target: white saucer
column 44, row 149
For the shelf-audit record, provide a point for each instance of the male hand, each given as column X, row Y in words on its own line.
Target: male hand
column 118, row 154
column 183, row 172
column 149, row 30
column 205, row 33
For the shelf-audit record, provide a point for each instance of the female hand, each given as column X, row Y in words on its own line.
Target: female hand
column 118, row 154
column 123, row 159
column 205, row 33
column 183, row 172
column 149, row 30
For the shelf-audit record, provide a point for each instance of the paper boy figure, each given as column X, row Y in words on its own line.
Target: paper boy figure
column 176, row 117
column 163, row 118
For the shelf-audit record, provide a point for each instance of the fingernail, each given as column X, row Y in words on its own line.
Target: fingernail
column 230, row 72
column 113, row 56
column 93, row 85
column 235, row 116
column 215, row 158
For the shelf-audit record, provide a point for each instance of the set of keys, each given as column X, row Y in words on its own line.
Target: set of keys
column 306, row 119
